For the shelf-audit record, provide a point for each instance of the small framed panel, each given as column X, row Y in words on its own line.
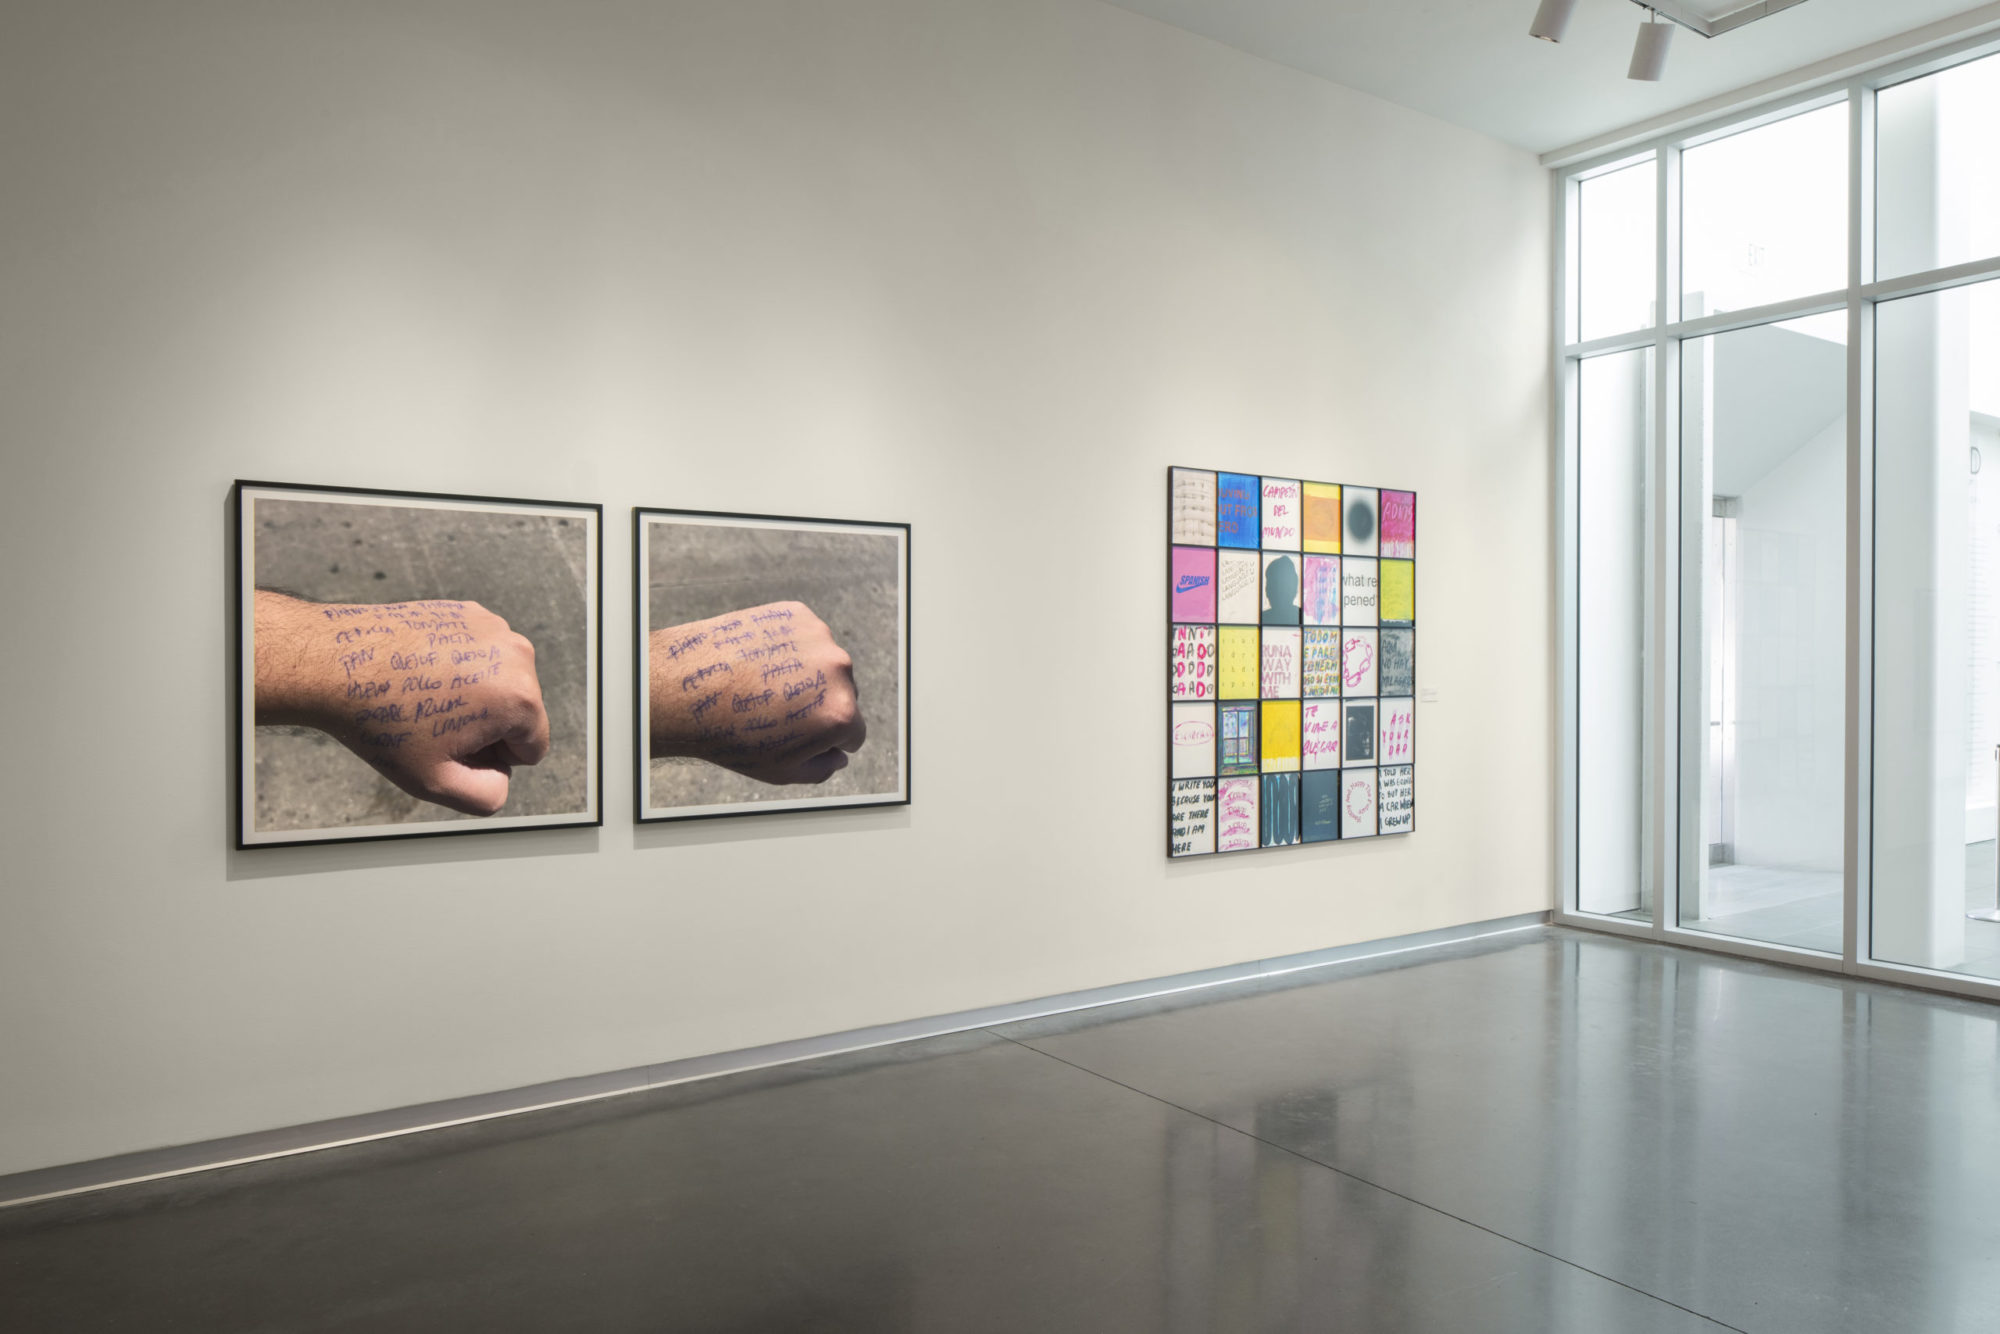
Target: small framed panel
column 1319, row 806
column 1320, row 602
column 773, row 663
column 1399, row 592
column 412, row 664
column 1236, row 827
column 1399, row 524
column 1238, row 749
column 1239, row 510
column 1193, row 587
column 1319, row 734
column 1358, row 662
column 1278, row 813
column 1279, row 603
column 1281, row 736
column 1282, row 505
column 1360, row 591
column 1398, row 674
column 1357, row 803
column 1192, row 740
column 1396, row 733
column 1191, row 824
column 1396, row 799
column 1193, row 514
column 1239, row 580
column 1191, row 659
column 1237, row 661
column 1322, row 517
column 1358, row 733
column 1279, row 678
column 1320, row 674
column 1360, row 535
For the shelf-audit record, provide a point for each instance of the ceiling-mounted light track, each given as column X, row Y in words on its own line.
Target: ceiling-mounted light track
column 1552, row 19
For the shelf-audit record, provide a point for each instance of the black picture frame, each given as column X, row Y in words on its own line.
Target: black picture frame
column 551, row 786
column 854, row 607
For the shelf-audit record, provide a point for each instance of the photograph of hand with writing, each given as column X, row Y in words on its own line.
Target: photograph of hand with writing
column 774, row 663
column 412, row 664
column 1293, row 605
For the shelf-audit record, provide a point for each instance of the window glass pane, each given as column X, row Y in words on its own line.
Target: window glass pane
column 1937, row 180
column 1764, row 214
column 1614, row 445
column 1765, row 460
column 1937, row 640
column 1615, row 251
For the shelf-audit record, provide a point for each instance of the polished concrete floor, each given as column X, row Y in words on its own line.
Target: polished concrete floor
column 1545, row 1131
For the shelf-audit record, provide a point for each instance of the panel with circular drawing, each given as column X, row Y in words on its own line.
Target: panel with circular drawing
column 1291, row 661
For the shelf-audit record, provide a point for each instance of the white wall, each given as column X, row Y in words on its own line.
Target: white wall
column 984, row 265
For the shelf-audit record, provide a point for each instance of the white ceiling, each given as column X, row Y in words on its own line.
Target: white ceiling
column 1472, row 62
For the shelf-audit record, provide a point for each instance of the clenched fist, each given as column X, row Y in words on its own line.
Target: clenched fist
column 440, row 696
column 764, row 691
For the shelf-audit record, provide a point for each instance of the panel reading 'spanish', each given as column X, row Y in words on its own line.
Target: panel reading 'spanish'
column 1281, row 736
column 1281, row 514
column 1399, row 662
column 1322, row 521
column 1360, row 536
column 1321, row 600
column 1399, row 524
column 1239, row 510
column 1359, row 591
column 1193, row 574
column 1193, row 741
column 1399, row 592
column 1238, row 751
column 1397, row 742
column 1357, row 733
column 1321, row 675
column 1319, row 734
column 1280, row 811
column 1281, row 589
column 1193, row 829
column 1280, row 678
column 1357, row 803
column 1236, row 661
column 1357, row 657
column 1192, row 659
column 1194, row 507
column 1236, row 815
column 1319, row 806
column 1239, row 587
column 1291, row 661
column 1396, row 800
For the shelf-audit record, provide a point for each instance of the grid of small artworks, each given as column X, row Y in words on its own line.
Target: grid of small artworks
column 1291, row 662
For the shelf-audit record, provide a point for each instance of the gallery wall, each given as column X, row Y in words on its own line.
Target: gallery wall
column 984, row 266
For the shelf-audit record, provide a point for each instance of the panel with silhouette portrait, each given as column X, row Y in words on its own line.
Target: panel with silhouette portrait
column 1281, row 588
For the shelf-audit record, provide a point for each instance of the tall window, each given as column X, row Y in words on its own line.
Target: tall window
column 1782, row 637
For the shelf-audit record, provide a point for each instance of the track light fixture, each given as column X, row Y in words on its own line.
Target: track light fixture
column 1552, row 19
column 1649, row 53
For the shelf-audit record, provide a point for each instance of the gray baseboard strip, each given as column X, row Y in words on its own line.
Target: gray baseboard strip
column 151, row 1164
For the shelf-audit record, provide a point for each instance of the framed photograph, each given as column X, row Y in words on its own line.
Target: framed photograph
column 773, row 667
column 412, row 664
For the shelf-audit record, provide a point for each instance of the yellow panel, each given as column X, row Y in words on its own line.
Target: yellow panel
column 1322, row 525
column 1281, row 735
column 1399, row 591
column 1237, row 662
